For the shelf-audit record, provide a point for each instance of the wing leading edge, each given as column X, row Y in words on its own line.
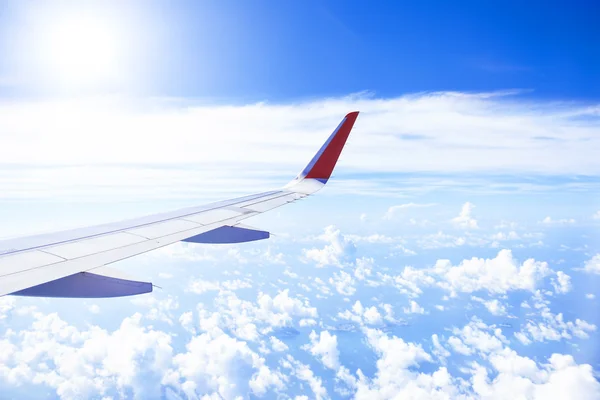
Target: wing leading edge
column 73, row 263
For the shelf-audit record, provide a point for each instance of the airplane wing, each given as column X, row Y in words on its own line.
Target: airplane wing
column 74, row 263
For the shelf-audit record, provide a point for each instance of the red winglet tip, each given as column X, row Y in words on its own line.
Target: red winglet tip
column 321, row 166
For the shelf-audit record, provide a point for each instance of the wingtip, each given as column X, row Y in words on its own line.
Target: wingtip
column 323, row 163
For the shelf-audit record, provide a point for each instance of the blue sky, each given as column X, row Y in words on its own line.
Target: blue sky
column 453, row 254
column 281, row 51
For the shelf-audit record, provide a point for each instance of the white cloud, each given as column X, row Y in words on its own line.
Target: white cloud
column 520, row 376
column 304, row 373
column 286, row 136
column 414, row 308
column 277, row 345
column 596, row 215
column 338, row 249
column 438, row 349
column 395, row 377
column 517, row 376
column 247, row 320
column 158, row 309
column 87, row 363
column 590, row 296
column 562, row 284
column 343, row 283
column 368, row 315
column 273, row 258
column 363, row 268
column 465, row 122
column 464, row 219
column 501, row 236
column 187, row 321
column 290, row 274
column 553, row 326
column 592, row 266
column 7, row 304
column 324, row 346
column 307, row 322
column 494, row 306
column 389, row 313
column 458, row 346
column 496, row 275
column 563, row 221
column 372, row 316
column 217, row 363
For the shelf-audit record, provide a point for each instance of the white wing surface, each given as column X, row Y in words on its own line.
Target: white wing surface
column 73, row 263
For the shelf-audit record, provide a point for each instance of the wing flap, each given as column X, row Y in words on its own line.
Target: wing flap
column 229, row 234
column 101, row 282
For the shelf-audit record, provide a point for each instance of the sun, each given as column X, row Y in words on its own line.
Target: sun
column 81, row 51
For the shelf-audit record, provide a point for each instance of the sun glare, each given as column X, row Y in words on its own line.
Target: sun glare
column 81, row 51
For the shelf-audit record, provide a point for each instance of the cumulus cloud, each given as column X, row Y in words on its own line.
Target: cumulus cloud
column 368, row 315
column 244, row 317
column 496, row 275
column 395, row 376
column 304, row 373
column 217, row 363
column 363, row 268
column 343, row 283
column 414, row 308
column 324, row 346
column 277, row 344
column 518, row 376
column 7, row 304
column 464, row 218
column 552, row 327
column 592, row 266
column 494, row 306
column 336, row 252
column 562, row 283
column 88, row 362
column 159, row 309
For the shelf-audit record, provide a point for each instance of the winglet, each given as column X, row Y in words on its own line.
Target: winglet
column 322, row 164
